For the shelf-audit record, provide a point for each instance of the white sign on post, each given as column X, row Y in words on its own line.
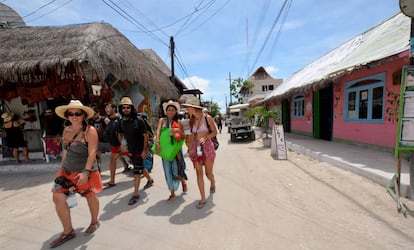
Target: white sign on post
column 278, row 146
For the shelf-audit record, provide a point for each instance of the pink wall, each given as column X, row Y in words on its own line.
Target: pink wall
column 304, row 124
column 380, row 134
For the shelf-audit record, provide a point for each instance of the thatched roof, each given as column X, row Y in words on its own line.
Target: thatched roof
column 9, row 17
column 374, row 46
column 96, row 45
column 159, row 63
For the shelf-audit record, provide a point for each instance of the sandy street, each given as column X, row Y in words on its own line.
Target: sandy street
column 260, row 203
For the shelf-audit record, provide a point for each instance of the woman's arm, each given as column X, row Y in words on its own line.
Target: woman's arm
column 92, row 139
column 213, row 127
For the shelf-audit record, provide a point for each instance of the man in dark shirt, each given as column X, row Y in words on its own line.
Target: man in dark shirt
column 134, row 130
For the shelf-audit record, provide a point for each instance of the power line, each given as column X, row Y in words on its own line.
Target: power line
column 197, row 9
column 270, row 32
column 133, row 21
column 47, row 13
column 41, row 7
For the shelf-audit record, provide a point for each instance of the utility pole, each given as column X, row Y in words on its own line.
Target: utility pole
column 407, row 8
column 230, row 87
column 172, row 48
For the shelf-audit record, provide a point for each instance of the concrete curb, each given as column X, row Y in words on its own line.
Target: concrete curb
column 354, row 168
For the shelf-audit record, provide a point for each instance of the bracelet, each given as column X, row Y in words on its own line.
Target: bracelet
column 86, row 171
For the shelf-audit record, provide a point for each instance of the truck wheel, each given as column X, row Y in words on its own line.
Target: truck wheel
column 253, row 136
column 233, row 138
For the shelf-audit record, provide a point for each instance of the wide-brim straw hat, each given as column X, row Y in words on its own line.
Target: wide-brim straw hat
column 74, row 104
column 170, row 103
column 8, row 116
column 192, row 101
column 126, row 101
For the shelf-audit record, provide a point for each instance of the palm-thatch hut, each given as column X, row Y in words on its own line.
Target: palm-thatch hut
column 42, row 67
column 79, row 55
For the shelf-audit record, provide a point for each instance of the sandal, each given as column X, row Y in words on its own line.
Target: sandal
column 200, row 204
column 212, row 190
column 62, row 239
column 109, row 185
column 149, row 184
column 91, row 229
column 171, row 198
column 133, row 200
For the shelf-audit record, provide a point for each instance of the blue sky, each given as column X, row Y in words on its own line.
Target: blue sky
column 216, row 37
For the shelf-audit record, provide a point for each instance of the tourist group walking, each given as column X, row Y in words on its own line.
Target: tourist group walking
column 130, row 138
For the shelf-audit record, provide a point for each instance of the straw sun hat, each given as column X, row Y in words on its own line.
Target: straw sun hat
column 192, row 101
column 7, row 116
column 170, row 103
column 126, row 101
column 74, row 104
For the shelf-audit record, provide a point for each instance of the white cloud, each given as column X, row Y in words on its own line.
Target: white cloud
column 196, row 82
column 271, row 69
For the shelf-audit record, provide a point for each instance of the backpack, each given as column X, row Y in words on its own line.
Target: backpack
column 147, row 125
column 110, row 133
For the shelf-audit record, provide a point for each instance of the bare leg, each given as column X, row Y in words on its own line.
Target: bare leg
column 16, row 154
column 137, row 180
column 200, row 180
column 183, row 183
column 93, row 203
column 112, row 167
column 147, row 175
column 124, row 162
column 209, row 173
column 26, row 153
column 63, row 212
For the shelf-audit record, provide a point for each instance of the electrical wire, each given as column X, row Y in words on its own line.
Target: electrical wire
column 38, row 9
column 47, row 13
column 133, row 21
column 208, row 19
column 196, row 9
column 280, row 30
column 270, row 32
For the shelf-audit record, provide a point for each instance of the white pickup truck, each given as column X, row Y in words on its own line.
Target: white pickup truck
column 240, row 127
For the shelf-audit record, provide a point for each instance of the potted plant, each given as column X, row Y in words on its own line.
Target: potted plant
column 263, row 115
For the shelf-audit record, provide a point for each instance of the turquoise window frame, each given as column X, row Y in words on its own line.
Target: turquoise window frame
column 378, row 81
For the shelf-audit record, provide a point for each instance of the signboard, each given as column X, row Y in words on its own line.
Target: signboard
column 405, row 134
column 278, row 145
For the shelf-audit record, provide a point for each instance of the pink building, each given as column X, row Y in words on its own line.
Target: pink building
column 352, row 93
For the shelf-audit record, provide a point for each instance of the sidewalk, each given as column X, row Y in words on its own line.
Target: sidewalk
column 376, row 165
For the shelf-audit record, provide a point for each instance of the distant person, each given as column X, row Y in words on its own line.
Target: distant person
column 14, row 136
column 97, row 121
column 77, row 173
column 219, row 122
column 174, row 170
column 202, row 151
column 134, row 130
column 112, row 125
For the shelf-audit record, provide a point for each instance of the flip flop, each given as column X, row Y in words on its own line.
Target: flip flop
column 212, row 190
column 201, row 204
column 91, row 229
column 109, row 185
column 133, row 200
column 62, row 239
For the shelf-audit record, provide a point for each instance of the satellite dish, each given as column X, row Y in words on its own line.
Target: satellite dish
column 407, row 7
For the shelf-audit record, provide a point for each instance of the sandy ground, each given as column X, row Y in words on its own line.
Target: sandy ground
column 260, row 203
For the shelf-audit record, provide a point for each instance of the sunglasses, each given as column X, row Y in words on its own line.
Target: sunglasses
column 77, row 114
column 126, row 107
